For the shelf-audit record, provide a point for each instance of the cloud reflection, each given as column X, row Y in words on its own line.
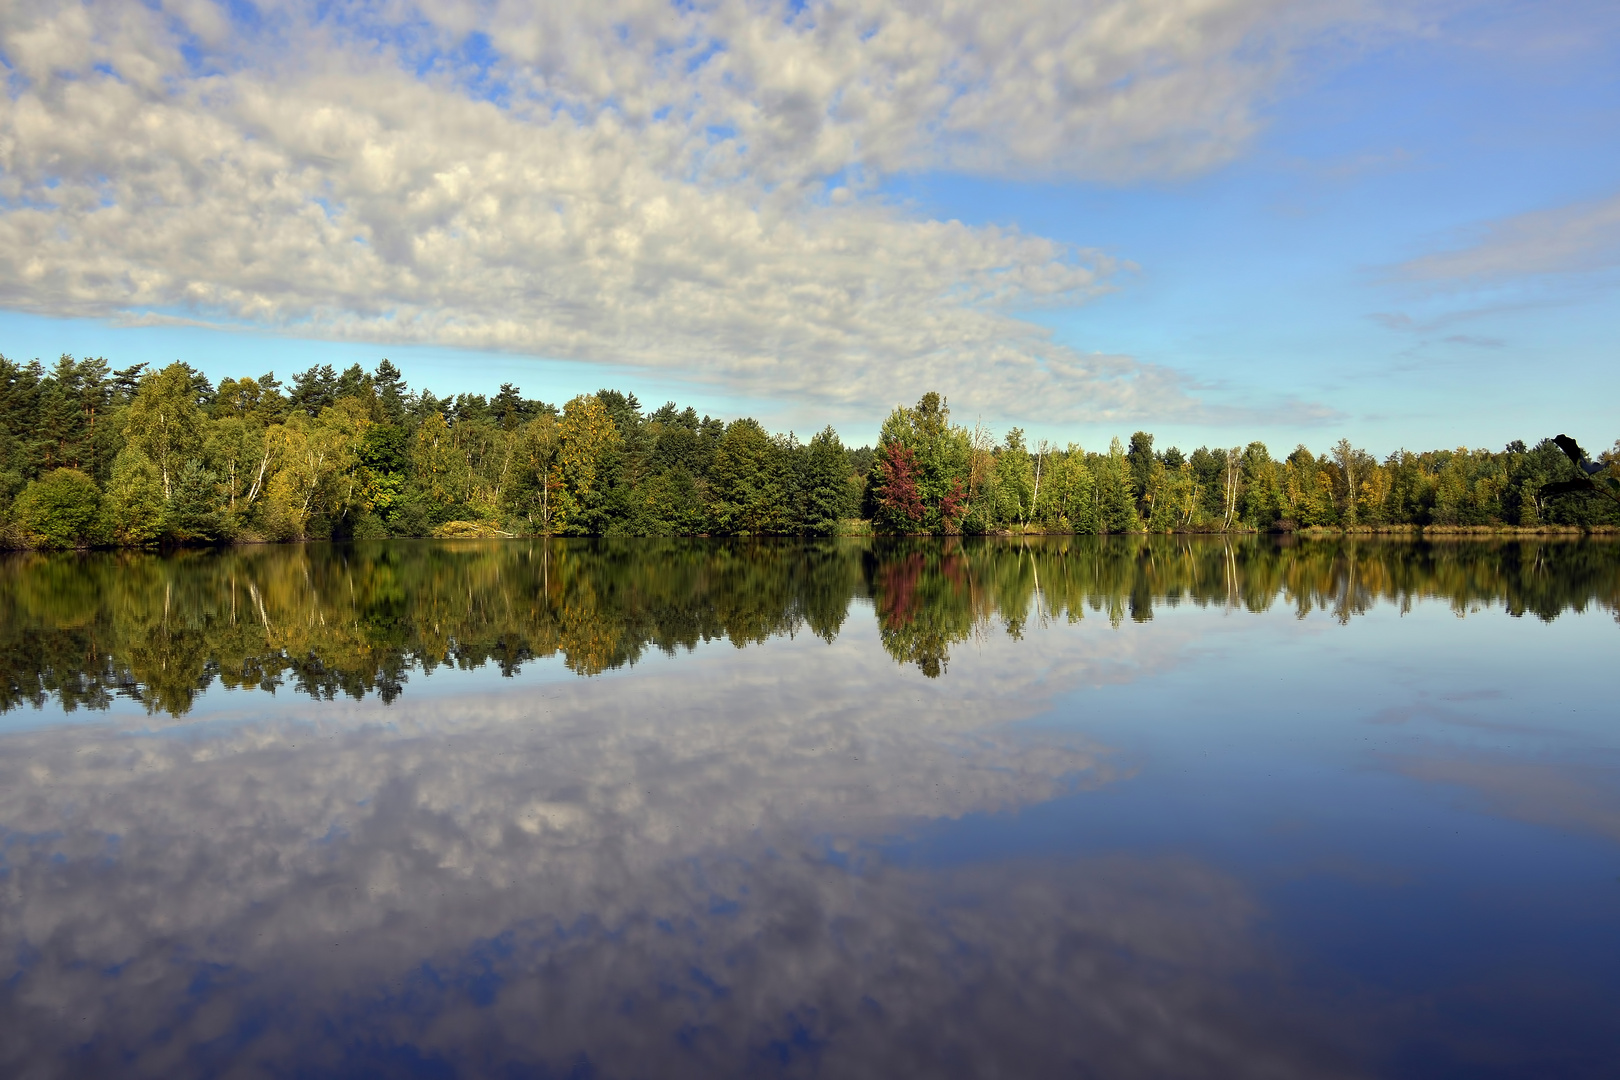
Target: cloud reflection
column 681, row 872
column 1569, row 796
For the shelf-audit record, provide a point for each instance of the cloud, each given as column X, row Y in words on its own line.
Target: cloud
column 1404, row 323
column 681, row 187
column 1395, row 320
column 1578, row 238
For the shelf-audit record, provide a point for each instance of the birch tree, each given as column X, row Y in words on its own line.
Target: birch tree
column 164, row 422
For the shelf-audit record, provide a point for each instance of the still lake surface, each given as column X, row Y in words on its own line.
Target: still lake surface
column 1086, row 807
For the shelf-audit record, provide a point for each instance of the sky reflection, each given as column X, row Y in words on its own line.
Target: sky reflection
column 1210, row 843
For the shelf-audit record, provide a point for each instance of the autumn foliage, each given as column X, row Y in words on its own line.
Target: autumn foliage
column 897, row 495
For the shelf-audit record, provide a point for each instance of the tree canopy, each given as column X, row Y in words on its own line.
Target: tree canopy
column 92, row 456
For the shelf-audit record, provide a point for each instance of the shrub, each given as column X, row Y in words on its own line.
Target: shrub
column 59, row 510
column 368, row 526
column 468, row 529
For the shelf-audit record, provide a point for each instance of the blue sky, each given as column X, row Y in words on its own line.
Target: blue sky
column 1281, row 221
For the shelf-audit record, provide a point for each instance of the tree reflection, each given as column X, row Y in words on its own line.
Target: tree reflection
column 326, row 620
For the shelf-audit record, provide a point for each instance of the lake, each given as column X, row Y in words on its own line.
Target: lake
column 1090, row 807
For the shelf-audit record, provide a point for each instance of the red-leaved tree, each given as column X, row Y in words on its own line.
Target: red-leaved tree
column 953, row 505
column 899, row 502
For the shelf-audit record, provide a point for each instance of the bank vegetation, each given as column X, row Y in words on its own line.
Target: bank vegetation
column 93, row 457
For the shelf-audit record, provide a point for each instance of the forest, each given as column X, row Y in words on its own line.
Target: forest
column 96, row 457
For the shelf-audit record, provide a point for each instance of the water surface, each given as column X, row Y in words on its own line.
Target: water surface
column 1077, row 807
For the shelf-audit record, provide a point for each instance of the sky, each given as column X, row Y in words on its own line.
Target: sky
column 1216, row 220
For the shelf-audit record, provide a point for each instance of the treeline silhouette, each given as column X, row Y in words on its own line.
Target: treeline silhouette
column 357, row 619
column 93, row 457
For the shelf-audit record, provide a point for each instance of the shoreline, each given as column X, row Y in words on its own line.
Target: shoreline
column 1318, row 532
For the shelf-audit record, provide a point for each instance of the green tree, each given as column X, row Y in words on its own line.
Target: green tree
column 318, row 482
column 587, row 439
column 193, row 513
column 1115, row 492
column 1308, row 489
column 1015, row 481
column 165, row 422
column 1176, row 498
column 20, row 441
column 59, row 510
column 132, row 508
column 534, row 494
column 1068, row 499
column 509, row 407
column 1141, row 459
column 236, row 450
column 751, row 482
column 828, row 496
column 1261, row 487
column 392, row 393
column 314, row 390
column 74, row 397
column 256, row 401
column 921, row 471
column 438, row 465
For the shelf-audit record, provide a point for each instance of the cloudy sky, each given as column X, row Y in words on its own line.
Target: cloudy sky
column 1216, row 219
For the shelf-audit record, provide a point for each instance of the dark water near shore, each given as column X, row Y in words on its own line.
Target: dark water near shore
column 1078, row 807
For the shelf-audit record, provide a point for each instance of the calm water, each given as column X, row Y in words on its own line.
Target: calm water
column 1064, row 808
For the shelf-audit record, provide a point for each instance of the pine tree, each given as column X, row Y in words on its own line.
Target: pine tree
column 314, row 390
column 827, row 493
column 392, row 393
column 20, row 443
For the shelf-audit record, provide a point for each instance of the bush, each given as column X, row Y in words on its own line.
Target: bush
column 274, row 521
column 59, row 510
column 410, row 519
column 468, row 530
column 368, row 526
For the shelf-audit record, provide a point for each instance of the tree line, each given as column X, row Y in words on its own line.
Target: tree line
column 361, row 619
column 96, row 457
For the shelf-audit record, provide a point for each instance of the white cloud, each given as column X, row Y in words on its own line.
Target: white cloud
column 681, row 188
column 1567, row 239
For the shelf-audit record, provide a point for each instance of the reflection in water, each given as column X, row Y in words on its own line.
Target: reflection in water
column 840, row 850
column 673, row 874
column 357, row 619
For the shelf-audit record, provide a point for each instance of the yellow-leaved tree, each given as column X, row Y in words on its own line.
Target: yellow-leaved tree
column 441, row 466
column 540, row 439
column 164, row 422
column 585, row 439
column 318, row 464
